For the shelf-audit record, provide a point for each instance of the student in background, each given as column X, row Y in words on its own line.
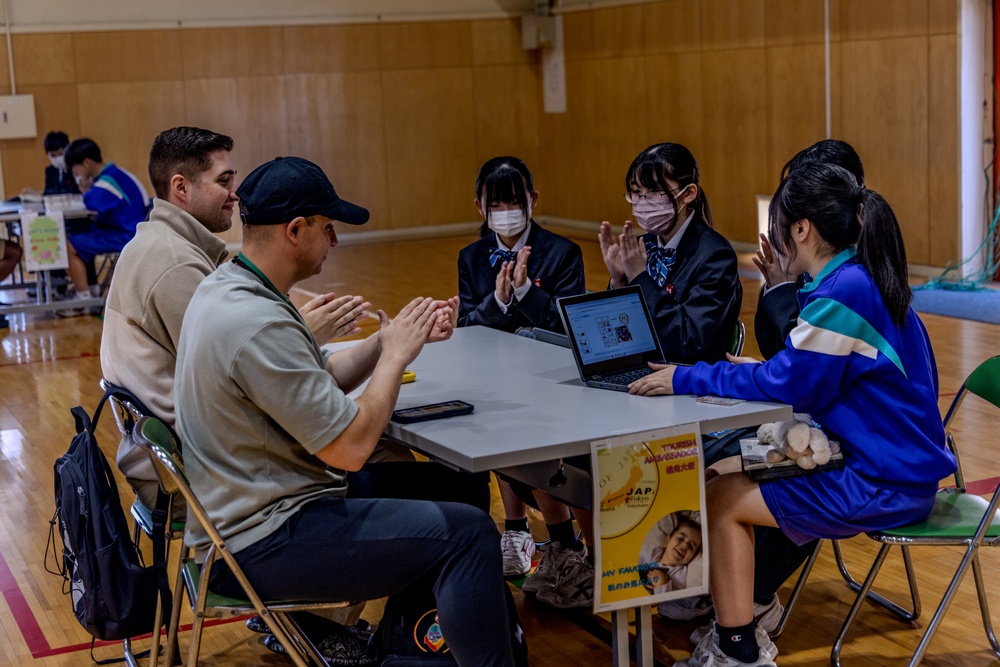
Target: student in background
column 859, row 362
column 509, row 280
column 687, row 271
column 120, row 203
column 58, row 177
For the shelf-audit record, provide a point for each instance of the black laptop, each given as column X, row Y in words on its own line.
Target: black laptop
column 611, row 335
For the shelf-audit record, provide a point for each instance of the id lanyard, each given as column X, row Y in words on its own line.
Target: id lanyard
column 241, row 261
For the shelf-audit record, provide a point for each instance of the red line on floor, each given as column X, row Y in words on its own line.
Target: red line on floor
column 32, row 633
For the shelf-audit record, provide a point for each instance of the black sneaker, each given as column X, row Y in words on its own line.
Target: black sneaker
column 257, row 624
column 344, row 646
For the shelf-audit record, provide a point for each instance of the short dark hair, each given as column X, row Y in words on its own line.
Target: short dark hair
column 55, row 140
column 829, row 151
column 81, row 149
column 183, row 150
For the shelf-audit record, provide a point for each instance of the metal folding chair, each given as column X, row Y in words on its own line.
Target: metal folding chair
column 958, row 518
column 152, row 435
column 127, row 412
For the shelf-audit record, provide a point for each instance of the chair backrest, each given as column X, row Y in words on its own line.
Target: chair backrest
column 156, row 438
column 984, row 382
column 739, row 338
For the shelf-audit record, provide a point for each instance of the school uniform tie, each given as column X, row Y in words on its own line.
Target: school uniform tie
column 498, row 255
column 658, row 262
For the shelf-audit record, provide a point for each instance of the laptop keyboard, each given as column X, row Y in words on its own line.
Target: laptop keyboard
column 628, row 376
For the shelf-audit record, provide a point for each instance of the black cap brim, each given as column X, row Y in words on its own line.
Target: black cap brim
column 345, row 211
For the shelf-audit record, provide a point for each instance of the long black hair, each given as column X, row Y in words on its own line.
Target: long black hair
column 652, row 167
column 844, row 214
column 504, row 180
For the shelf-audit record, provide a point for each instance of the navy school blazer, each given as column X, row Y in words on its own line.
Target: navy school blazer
column 695, row 313
column 555, row 268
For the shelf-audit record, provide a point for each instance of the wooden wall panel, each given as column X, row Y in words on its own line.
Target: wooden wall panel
column 732, row 24
column 136, row 55
column 24, row 160
column 498, row 42
column 675, row 109
column 864, row 19
column 618, row 32
column 43, row 58
column 430, row 144
column 736, row 138
column 124, row 118
column 507, row 105
column 337, row 121
column 423, row 45
column 330, row 48
column 885, row 106
column 942, row 17
column 673, row 26
column 799, row 22
column 796, row 114
column 561, row 178
column 250, row 109
column 226, row 53
column 942, row 143
column 578, row 35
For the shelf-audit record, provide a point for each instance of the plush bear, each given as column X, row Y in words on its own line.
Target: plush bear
column 797, row 439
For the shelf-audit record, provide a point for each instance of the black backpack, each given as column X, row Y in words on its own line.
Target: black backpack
column 113, row 595
column 409, row 635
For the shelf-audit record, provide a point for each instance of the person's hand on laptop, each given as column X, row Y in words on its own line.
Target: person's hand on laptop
column 633, row 252
column 660, row 383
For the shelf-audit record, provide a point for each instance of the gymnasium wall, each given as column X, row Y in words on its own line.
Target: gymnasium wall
column 401, row 114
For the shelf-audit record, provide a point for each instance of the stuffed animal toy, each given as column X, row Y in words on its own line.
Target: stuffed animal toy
column 797, row 439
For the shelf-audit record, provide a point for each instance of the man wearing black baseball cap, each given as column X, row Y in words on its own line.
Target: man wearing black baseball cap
column 268, row 431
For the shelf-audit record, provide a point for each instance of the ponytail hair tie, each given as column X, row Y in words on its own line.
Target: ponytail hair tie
column 858, row 194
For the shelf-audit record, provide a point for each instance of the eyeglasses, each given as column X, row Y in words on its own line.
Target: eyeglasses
column 653, row 196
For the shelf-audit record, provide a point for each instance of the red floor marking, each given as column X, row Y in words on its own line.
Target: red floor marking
column 32, row 633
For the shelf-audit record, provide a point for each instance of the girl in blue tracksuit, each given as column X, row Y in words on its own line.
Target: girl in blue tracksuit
column 859, row 361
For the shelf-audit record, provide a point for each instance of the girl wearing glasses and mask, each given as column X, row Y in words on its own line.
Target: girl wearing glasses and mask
column 511, row 277
column 687, row 271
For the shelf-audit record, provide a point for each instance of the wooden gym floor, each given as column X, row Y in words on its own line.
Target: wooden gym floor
column 48, row 365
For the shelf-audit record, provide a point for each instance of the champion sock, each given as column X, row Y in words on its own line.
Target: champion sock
column 518, row 525
column 739, row 643
column 564, row 534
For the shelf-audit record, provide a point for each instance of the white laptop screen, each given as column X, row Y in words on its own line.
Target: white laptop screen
column 610, row 328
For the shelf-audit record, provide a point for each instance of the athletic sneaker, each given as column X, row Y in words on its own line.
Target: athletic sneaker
column 575, row 586
column 517, row 547
column 549, row 569
column 686, row 609
column 257, row 624
column 708, row 653
column 74, row 311
column 767, row 617
column 345, row 646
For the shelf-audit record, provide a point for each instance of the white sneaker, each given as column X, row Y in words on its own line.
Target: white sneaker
column 517, row 547
column 767, row 617
column 575, row 587
column 686, row 609
column 74, row 311
column 549, row 569
column 708, row 654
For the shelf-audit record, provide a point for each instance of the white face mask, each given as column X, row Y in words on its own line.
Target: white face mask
column 508, row 223
column 654, row 217
column 59, row 162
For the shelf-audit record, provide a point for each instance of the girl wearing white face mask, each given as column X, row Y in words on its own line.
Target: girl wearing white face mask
column 509, row 279
column 687, row 271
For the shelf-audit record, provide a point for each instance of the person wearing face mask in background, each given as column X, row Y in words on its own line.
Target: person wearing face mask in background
column 687, row 271
column 509, row 280
column 119, row 202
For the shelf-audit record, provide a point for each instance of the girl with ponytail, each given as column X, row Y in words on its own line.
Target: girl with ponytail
column 860, row 362
column 687, row 271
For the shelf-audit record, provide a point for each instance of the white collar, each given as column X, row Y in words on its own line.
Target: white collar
column 521, row 242
column 675, row 240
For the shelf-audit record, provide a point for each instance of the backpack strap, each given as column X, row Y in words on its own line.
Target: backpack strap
column 160, row 516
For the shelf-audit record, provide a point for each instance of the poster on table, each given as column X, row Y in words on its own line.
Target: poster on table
column 44, row 241
column 650, row 534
